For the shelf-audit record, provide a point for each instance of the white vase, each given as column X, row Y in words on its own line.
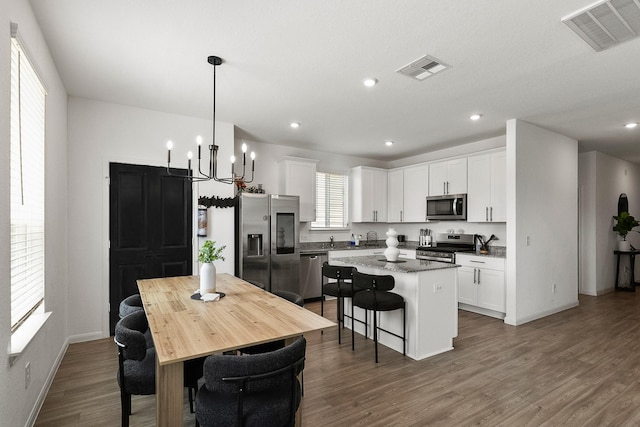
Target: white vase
column 392, row 252
column 624, row 246
column 207, row 278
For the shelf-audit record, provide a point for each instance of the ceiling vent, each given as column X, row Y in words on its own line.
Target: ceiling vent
column 423, row 67
column 606, row 23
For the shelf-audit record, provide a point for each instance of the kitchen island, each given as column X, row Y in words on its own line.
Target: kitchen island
column 430, row 289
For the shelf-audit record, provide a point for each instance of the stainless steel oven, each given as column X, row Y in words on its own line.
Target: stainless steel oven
column 445, row 247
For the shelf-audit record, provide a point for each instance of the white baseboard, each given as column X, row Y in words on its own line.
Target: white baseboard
column 540, row 315
column 91, row 336
column 47, row 385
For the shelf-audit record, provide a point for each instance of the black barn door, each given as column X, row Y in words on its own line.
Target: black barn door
column 150, row 227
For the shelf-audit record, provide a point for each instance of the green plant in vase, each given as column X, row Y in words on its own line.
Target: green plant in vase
column 626, row 223
column 208, row 254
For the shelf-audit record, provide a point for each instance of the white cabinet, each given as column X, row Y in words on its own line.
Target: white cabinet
column 487, row 192
column 448, row 177
column 416, row 190
column 368, row 194
column 395, row 199
column 481, row 285
column 408, row 189
column 298, row 178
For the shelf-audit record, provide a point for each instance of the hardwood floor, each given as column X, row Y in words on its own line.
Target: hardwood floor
column 580, row 367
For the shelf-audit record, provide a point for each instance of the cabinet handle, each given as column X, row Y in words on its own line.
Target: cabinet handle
column 486, row 213
column 447, row 187
column 444, row 187
column 477, row 262
column 401, row 216
column 474, row 275
column 491, row 213
column 478, row 276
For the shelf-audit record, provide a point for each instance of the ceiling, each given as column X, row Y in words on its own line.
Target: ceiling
column 304, row 61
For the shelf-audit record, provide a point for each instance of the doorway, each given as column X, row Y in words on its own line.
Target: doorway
column 150, row 228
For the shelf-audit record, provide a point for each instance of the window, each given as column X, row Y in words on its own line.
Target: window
column 332, row 195
column 27, row 187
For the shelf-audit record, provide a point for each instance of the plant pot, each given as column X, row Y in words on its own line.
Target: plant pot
column 207, row 278
column 624, row 246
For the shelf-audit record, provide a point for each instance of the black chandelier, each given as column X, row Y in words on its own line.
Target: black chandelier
column 212, row 172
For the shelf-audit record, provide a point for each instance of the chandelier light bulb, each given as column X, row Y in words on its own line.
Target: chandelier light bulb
column 295, row 125
column 199, row 140
column 190, row 155
column 244, row 147
column 253, row 155
column 233, row 159
column 169, row 145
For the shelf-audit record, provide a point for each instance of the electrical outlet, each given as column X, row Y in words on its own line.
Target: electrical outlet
column 437, row 287
column 27, row 375
column 528, row 240
column 554, row 288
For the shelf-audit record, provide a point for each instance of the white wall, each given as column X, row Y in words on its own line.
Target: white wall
column 100, row 133
column 18, row 406
column 602, row 179
column 542, row 205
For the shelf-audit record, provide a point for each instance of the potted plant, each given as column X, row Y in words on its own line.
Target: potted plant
column 208, row 254
column 625, row 224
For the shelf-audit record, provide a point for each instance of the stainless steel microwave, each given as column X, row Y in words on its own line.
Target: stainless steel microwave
column 447, row 207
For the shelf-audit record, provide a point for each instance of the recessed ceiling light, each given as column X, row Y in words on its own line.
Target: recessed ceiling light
column 631, row 125
column 475, row 116
column 295, row 125
column 370, row 82
column 388, row 143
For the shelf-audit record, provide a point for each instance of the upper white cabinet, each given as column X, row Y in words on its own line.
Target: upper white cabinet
column 448, row 177
column 395, row 199
column 368, row 194
column 408, row 191
column 487, row 192
column 298, row 178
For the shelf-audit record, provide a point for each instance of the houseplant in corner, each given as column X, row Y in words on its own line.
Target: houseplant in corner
column 208, row 254
column 626, row 223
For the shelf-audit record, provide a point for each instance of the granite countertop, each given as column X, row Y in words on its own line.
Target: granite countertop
column 323, row 247
column 403, row 266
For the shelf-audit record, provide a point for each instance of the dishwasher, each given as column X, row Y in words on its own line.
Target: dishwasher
column 311, row 280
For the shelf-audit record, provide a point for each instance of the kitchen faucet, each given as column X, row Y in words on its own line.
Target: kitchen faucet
column 331, row 239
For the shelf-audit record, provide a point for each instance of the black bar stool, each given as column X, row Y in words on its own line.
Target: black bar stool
column 341, row 288
column 374, row 295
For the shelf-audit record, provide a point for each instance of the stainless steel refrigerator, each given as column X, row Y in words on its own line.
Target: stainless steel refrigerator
column 267, row 246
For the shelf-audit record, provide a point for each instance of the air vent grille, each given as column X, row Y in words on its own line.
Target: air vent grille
column 423, row 67
column 606, row 23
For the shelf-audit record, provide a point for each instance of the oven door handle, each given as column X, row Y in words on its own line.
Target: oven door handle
column 430, row 258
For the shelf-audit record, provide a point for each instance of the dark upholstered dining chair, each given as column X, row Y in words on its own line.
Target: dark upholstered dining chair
column 127, row 333
column 136, row 361
column 252, row 390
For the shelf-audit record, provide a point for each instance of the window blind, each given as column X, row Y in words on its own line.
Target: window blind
column 332, row 194
column 27, row 187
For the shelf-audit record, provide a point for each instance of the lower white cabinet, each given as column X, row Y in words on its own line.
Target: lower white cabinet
column 481, row 285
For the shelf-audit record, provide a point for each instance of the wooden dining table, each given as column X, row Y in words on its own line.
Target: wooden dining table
column 184, row 328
